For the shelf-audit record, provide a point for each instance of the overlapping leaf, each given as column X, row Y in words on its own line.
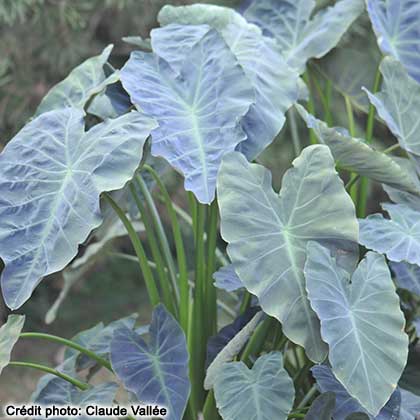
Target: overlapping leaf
column 267, row 244
column 355, row 155
column 407, row 276
column 227, row 279
column 198, row 110
column 230, row 351
column 9, row 335
column 362, row 323
column 410, row 405
column 322, row 407
column 86, row 80
column 398, row 104
column 346, row 404
column 299, row 35
column 398, row 237
column 52, row 174
column 276, row 85
column 157, row 372
column 264, row 392
column 397, row 27
column 61, row 393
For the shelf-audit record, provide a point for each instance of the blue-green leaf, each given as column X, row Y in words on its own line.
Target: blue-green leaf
column 276, row 85
column 398, row 104
column 267, row 243
column 198, row 110
column 299, row 35
column 356, row 155
column 86, row 80
column 322, row 407
column 410, row 405
column 61, row 393
column 264, row 392
column 407, row 276
column 157, row 372
column 9, row 335
column 345, row 404
column 362, row 323
column 396, row 24
column 397, row 237
column 227, row 279
column 52, row 173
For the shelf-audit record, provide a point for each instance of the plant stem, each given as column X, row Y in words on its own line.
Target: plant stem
column 180, row 250
column 198, row 330
column 311, row 106
column 210, row 295
column 294, row 131
column 138, row 248
column 308, row 396
column 157, row 257
column 364, row 184
column 350, row 117
column 71, row 344
column 81, row 385
column 257, row 340
column 210, row 411
column 163, row 240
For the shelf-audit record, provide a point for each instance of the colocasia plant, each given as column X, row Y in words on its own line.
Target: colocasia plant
column 313, row 310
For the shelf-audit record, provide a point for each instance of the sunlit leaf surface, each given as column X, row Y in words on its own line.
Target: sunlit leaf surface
column 198, row 110
column 300, row 35
column 264, row 392
column 52, row 173
column 267, row 243
column 362, row 323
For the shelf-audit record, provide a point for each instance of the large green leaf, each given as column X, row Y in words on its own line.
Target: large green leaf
column 355, row 155
column 264, row 392
column 198, row 109
column 86, row 80
column 299, row 35
column 398, row 104
column 362, row 323
column 9, row 335
column 52, row 174
column 267, row 233
column 322, row 407
column 398, row 237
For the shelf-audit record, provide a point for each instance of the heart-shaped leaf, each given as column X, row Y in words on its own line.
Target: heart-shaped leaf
column 86, row 80
column 345, row 404
column 61, row 393
column 407, row 276
column 52, row 173
column 322, row 407
column 219, row 341
column 397, row 237
column 367, row 343
column 198, row 110
column 355, row 155
column 398, row 104
column 275, row 84
column 264, row 392
column 9, row 335
column 270, row 236
column 157, row 372
column 230, row 351
column 396, row 24
column 299, row 35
